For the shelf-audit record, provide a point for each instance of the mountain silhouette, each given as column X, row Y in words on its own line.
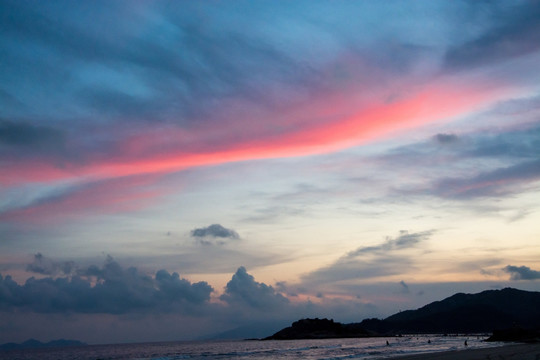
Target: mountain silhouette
column 460, row 313
column 34, row 344
column 319, row 329
column 466, row 313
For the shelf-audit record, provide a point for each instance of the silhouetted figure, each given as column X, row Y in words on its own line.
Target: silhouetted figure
column 465, row 342
column 429, row 341
column 387, row 343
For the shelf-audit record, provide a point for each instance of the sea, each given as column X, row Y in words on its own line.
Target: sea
column 364, row 348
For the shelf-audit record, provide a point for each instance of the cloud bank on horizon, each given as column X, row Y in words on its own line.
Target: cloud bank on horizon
column 113, row 290
column 159, row 132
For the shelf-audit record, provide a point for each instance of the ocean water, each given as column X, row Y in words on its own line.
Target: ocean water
column 370, row 348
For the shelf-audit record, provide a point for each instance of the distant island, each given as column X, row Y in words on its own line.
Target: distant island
column 510, row 314
column 319, row 329
column 35, row 344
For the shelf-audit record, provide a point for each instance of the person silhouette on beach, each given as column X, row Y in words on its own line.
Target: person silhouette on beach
column 465, row 342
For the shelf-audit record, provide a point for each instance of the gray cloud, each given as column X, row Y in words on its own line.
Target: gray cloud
column 133, row 301
column 518, row 144
column 244, row 290
column 369, row 261
column 208, row 235
column 498, row 182
column 189, row 63
column 193, row 257
column 514, row 31
column 347, row 269
column 114, row 294
column 404, row 287
column 114, row 290
column 284, row 288
column 46, row 266
column 193, row 61
column 508, row 145
column 446, row 138
column 522, row 273
column 181, row 69
column 486, row 163
column 404, row 240
column 24, row 137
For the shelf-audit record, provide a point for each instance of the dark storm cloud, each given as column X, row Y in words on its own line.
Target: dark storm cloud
column 522, row 273
column 370, row 261
column 514, row 31
column 244, row 290
column 215, row 231
column 114, row 290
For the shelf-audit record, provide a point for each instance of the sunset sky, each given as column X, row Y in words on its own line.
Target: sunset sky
column 172, row 170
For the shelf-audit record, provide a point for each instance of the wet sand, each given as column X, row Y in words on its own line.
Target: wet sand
column 506, row 352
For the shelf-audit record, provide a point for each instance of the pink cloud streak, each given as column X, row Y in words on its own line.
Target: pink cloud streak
column 106, row 196
column 171, row 150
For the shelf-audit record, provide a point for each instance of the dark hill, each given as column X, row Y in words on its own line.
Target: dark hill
column 318, row 329
column 461, row 313
column 466, row 313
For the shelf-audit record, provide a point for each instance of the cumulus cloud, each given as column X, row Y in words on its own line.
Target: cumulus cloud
column 109, row 289
column 522, row 273
column 46, row 266
column 284, row 288
column 112, row 293
column 244, row 290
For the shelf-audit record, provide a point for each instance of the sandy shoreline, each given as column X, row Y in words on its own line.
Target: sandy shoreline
column 507, row 352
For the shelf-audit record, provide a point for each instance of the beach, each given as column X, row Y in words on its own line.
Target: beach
column 506, row 352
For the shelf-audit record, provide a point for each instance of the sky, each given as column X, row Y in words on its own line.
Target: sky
column 173, row 170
